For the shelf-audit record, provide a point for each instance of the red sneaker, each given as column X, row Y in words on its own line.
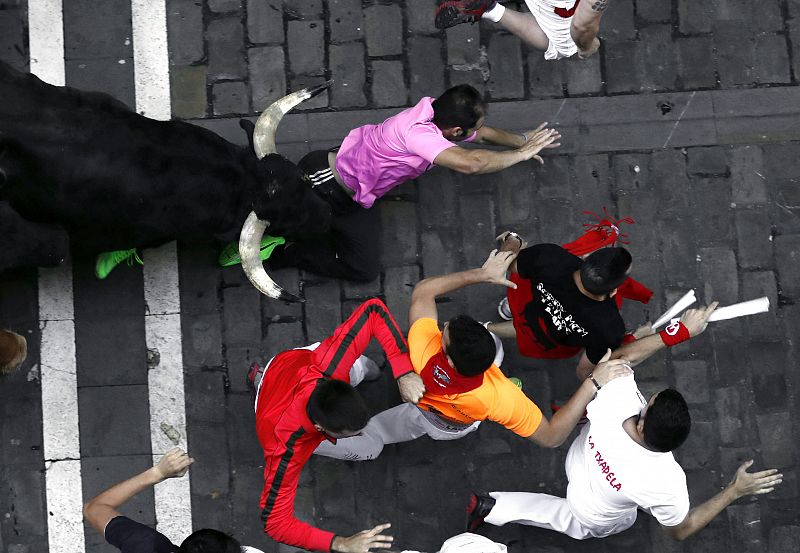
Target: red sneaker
column 454, row 12
column 478, row 509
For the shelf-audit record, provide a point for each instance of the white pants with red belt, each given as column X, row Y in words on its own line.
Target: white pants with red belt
column 556, row 28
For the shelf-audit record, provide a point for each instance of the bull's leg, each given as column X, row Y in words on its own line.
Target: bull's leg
column 24, row 244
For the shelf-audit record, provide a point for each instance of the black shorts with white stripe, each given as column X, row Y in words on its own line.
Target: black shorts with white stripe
column 317, row 172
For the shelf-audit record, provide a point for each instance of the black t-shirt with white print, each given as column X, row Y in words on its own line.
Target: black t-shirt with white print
column 130, row 536
column 570, row 317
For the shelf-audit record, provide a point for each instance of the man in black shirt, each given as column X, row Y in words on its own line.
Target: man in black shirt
column 130, row 536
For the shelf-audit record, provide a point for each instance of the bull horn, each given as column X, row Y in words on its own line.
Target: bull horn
column 250, row 253
column 267, row 123
column 254, row 228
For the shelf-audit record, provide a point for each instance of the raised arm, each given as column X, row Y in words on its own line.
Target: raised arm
column 586, row 24
column 479, row 161
column 553, row 433
column 100, row 510
column 744, row 483
column 423, row 298
column 693, row 321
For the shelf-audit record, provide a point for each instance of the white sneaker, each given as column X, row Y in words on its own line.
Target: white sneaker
column 373, row 371
column 504, row 310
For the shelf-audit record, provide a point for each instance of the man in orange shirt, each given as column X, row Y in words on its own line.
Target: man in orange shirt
column 463, row 385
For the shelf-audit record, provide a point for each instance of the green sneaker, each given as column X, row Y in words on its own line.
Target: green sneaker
column 516, row 381
column 230, row 253
column 106, row 261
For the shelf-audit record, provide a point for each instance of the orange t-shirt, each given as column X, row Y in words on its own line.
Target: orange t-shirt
column 496, row 399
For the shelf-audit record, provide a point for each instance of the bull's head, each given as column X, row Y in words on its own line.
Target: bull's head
column 254, row 228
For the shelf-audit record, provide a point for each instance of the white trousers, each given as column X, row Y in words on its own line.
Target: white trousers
column 556, row 28
column 548, row 511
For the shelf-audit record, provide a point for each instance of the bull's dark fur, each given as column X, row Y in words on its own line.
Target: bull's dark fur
column 82, row 165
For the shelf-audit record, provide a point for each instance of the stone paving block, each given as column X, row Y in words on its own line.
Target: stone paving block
column 755, row 285
column 319, row 101
column 747, row 175
column 710, row 161
column 695, row 62
column 224, row 6
column 334, row 486
column 205, row 392
column 787, row 257
column 419, row 14
column 793, row 27
column 12, row 39
column 718, row 267
column 265, row 21
column 113, row 76
column 745, row 522
column 552, row 180
column 267, row 76
column 653, row 10
column 784, row 538
column 246, row 486
column 753, row 232
column 306, row 46
column 545, row 78
column 399, row 221
column 677, row 244
column 472, row 77
column 769, row 390
column 23, row 495
column 631, row 172
column 225, row 40
column 121, row 293
column 398, row 285
column 772, row 59
column 507, row 79
column 21, row 431
column 691, row 380
column 240, row 430
column 730, row 460
column 440, row 251
column 554, row 218
column 590, row 183
column 425, row 66
column 695, row 17
column 477, row 227
column 345, row 20
column 322, row 314
column 583, row 76
column 660, row 52
column 124, row 429
column 711, row 206
column 777, row 445
column 700, row 448
column 464, row 47
column 230, row 98
column 95, row 337
column 241, row 316
column 283, row 336
column 188, row 91
column 100, row 473
column 359, row 290
column 84, row 39
column 349, row 77
column 211, row 473
column 735, row 55
column 734, row 418
column 384, row 30
column 515, row 195
column 388, row 86
column 624, row 65
column 618, row 23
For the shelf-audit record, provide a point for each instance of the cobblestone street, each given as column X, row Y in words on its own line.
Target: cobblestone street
column 688, row 121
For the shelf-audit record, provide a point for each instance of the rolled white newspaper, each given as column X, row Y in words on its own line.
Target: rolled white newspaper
column 760, row 305
column 678, row 307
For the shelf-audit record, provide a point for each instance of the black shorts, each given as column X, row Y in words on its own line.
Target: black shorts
column 319, row 176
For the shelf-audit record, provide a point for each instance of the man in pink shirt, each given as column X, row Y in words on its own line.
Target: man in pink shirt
column 373, row 159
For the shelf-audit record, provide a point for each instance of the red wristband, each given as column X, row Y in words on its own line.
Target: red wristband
column 674, row 334
column 628, row 339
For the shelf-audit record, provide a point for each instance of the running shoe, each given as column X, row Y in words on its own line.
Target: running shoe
column 504, row 310
column 454, row 12
column 478, row 509
column 516, row 381
column 106, row 261
column 255, row 368
column 230, row 254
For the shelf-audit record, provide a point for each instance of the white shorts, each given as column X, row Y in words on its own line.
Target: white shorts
column 556, row 28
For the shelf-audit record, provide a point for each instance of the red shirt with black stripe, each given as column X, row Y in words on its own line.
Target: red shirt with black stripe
column 284, row 429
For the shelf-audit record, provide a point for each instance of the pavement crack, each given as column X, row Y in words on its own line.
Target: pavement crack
column 678, row 122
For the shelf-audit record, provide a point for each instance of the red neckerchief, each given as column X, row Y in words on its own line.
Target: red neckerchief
column 442, row 379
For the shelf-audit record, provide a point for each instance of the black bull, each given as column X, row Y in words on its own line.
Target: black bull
column 81, row 168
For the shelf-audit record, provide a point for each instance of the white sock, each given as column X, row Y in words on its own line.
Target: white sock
column 495, row 13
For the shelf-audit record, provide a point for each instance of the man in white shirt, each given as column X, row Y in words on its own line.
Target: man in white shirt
column 561, row 28
column 622, row 461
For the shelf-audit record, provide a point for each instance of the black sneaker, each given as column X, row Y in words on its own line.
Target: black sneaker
column 478, row 509
column 454, row 12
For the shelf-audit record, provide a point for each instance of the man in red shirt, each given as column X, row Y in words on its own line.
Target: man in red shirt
column 304, row 396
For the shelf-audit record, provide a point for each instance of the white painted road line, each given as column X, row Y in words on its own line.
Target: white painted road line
column 63, row 485
column 162, row 320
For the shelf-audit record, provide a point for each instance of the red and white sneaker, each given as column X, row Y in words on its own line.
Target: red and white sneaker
column 454, row 12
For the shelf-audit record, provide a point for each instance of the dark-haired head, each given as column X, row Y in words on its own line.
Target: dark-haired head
column 667, row 421
column 13, row 351
column 604, row 270
column 337, row 409
column 460, row 107
column 208, row 540
column 469, row 345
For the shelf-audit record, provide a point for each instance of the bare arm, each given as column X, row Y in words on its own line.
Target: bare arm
column 553, row 433
column 696, row 321
column 586, row 24
column 744, row 483
column 478, row 161
column 423, row 298
column 492, row 135
column 100, row 510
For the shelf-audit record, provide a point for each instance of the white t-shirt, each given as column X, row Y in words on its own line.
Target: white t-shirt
column 610, row 475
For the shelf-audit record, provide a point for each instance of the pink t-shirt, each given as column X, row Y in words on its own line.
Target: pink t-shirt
column 373, row 159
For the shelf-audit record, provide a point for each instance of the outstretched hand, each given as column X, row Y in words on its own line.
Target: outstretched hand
column 174, row 463
column 696, row 320
column 538, row 139
column 606, row 370
column 754, row 483
column 496, row 266
column 364, row 541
